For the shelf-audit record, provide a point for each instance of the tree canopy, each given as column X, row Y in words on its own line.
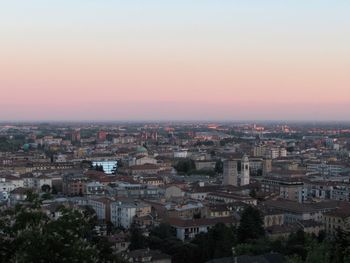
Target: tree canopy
column 251, row 225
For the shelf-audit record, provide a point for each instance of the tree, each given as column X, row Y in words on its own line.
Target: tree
column 340, row 247
column 98, row 168
column 252, row 193
column 254, row 247
column 137, row 239
column 294, row 259
column 186, row 253
column 163, row 231
column 297, row 244
column 87, row 164
column 251, row 225
column 54, row 190
column 33, row 199
column 219, row 167
column 33, row 237
column 185, row 166
column 218, row 242
column 29, row 235
column 45, row 188
column 115, row 169
column 318, row 253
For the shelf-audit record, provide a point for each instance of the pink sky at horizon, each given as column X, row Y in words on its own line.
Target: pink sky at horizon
column 153, row 66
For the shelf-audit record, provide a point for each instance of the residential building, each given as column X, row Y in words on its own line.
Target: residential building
column 338, row 219
column 123, row 213
column 187, row 229
column 102, row 207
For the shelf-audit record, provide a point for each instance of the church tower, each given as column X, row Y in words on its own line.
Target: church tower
column 236, row 172
column 230, row 173
column 245, row 171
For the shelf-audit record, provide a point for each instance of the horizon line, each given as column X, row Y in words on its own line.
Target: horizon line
column 178, row 120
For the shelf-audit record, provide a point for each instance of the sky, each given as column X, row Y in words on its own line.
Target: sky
column 174, row 60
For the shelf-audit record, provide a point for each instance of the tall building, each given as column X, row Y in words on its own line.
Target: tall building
column 75, row 136
column 236, row 172
column 230, row 172
column 102, row 135
column 267, row 166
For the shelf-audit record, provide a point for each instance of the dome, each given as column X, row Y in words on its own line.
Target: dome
column 26, row 147
column 141, row 149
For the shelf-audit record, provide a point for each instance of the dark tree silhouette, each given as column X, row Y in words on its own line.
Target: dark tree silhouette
column 251, row 225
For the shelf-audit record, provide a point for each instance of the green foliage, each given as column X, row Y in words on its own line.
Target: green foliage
column 294, row 259
column 46, row 196
column 11, row 145
column 137, row 239
column 254, row 247
column 185, row 166
column 33, row 199
column 29, row 235
column 219, row 241
column 225, row 141
column 297, row 244
column 318, row 253
column 252, row 193
column 207, row 172
column 54, row 190
column 251, row 225
column 98, row 168
column 163, row 231
column 340, row 247
column 204, row 143
column 87, row 164
column 46, row 188
column 87, row 133
column 219, row 167
column 186, row 253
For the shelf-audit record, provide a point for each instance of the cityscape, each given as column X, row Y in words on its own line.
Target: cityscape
column 176, row 191
column 175, row 131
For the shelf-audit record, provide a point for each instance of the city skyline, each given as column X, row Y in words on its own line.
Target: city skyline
column 186, row 60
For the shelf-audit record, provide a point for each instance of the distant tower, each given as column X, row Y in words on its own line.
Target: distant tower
column 102, row 135
column 236, row 172
column 244, row 176
column 267, row 166
column 230, row 172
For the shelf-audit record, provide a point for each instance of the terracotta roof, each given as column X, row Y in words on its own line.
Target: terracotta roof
column 20, row 190
column 200, row 222
column 144, row 167
column 343, row 212
column 295, row 207
column 11, row 177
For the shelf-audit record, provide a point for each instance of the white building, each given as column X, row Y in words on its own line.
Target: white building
column 42, row 180
column 181, row 154
column 6, row 186
column 102, row 207
column 141, row 160
column 4, row 196
column 109, row 166
column 122, row 214
column 16, row 181
column 188, row 229
column 95, row 188
column 29, row 180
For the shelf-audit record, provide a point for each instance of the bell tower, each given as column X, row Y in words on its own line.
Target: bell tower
column 245, row 171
